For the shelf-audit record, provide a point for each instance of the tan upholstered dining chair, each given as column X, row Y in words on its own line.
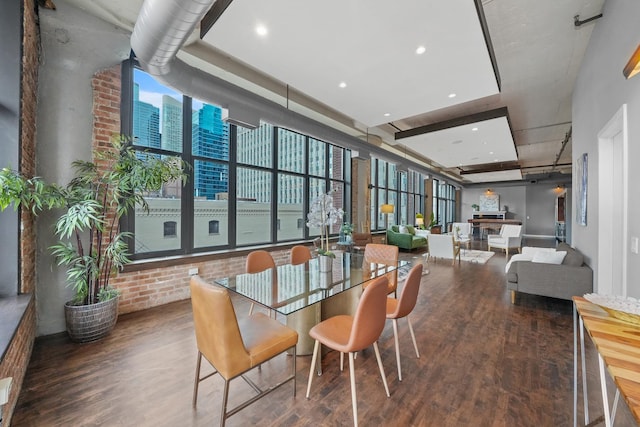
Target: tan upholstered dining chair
column 403, row 306
column 233, row 348
column 378, row 256
column 258, row 261
column 350, row 334
column 299, row 255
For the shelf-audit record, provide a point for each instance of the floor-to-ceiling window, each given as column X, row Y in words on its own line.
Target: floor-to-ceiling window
column 404, row 190
column 245, row 187
column 444, row 203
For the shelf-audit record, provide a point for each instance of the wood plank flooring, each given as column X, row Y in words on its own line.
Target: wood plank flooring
column 484, row 362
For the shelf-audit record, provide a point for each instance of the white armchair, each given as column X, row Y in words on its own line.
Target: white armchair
column 510, row 237
column 464, row 229
column 443, row 246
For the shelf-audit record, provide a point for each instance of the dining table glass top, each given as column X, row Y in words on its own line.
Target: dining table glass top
column 289, row 288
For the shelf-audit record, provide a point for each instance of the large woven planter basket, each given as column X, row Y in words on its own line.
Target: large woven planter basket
column 86, row 323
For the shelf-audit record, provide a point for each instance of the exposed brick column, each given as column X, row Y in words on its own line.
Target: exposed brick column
column 16, row 359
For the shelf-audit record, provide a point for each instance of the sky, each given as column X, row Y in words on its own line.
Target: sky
column 151, row 91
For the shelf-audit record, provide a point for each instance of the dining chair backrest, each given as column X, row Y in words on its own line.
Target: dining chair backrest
column 361, row 239
column 383, row 255
column 299, row 254
column 218, row 335
column 370, row 316
column 258, row 261
column 464, row 228
column 409, row 293
column 441, row 246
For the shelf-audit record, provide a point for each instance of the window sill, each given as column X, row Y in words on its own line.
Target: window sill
column 12, row 310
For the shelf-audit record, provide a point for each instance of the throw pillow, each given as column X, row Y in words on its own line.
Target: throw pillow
column 549, row 257
column 403, row 229
column 573, row 258
column 411, row 230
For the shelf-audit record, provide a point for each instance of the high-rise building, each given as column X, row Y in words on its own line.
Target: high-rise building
column 146, row 121
column 210, row 139
column 171, row 124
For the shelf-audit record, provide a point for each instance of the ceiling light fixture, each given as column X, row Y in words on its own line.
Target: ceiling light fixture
column 261, row 30
column 633, row 66
column 387, row 114
column 452, row 95
column 420, row 50
column 474, row 129
column 342, row 85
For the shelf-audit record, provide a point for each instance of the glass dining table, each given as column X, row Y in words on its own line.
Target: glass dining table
column 305, row 295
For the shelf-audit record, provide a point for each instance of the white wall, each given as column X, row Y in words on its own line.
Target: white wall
column 599, row 93
column 74, row 46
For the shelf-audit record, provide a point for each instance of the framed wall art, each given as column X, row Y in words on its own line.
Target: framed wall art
column 581, row 180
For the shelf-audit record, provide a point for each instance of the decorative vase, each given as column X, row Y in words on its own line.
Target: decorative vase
column 325, row 263
column 86, row 323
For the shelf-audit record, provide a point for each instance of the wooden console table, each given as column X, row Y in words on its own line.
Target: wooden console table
column 618, row 346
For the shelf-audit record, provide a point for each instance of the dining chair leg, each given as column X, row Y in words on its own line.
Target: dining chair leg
column 225, row 396
column 341, row 361
column 384, row 377
column 413, row 338
column 197, row 379
column 313, row 364
column 395, row 338
column 354, row 401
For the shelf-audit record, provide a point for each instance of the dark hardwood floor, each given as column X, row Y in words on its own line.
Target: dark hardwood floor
column 484, row 362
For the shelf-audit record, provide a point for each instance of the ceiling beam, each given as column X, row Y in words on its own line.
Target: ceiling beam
column 458, row 121
column 493, row 168
column 212, row 16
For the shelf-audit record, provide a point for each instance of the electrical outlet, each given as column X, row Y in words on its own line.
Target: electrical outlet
column 5, row 388
column 634, row 244
column 193, row 271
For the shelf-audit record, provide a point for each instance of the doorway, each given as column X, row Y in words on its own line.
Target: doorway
column 612, row 206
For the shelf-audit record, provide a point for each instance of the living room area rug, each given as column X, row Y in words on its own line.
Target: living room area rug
column 478, row 257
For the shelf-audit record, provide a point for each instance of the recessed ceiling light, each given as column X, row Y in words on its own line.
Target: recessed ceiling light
column 495, row 160
column 484, row 142
column 490, row 152
column 420, row 50
column 387, row 114
column 342, row 85
column 261, row 30
column 474, row 129
column 452, row 95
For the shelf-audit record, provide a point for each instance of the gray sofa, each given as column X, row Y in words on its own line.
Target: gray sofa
column 572, row 277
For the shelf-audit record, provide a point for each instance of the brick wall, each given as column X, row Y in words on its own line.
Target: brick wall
column 16, row 359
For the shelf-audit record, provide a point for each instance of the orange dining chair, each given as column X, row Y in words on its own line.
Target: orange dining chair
column 380, row 256
column 299, row 255
column 349, row 334
column 258, row 261
column 233, row 348
column 401, row 307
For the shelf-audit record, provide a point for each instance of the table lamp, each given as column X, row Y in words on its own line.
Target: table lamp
column 419, row 223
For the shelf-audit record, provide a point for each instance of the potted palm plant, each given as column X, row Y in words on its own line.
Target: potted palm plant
column 91, row 245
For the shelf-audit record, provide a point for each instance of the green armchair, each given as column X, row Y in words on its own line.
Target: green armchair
column 407, row 241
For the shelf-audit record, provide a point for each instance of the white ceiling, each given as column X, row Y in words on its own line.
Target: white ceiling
column 370, row 45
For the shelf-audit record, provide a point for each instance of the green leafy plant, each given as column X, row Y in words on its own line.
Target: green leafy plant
column 346, row 229
column 91, row 244
column 475, row 207
column 432, row 221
